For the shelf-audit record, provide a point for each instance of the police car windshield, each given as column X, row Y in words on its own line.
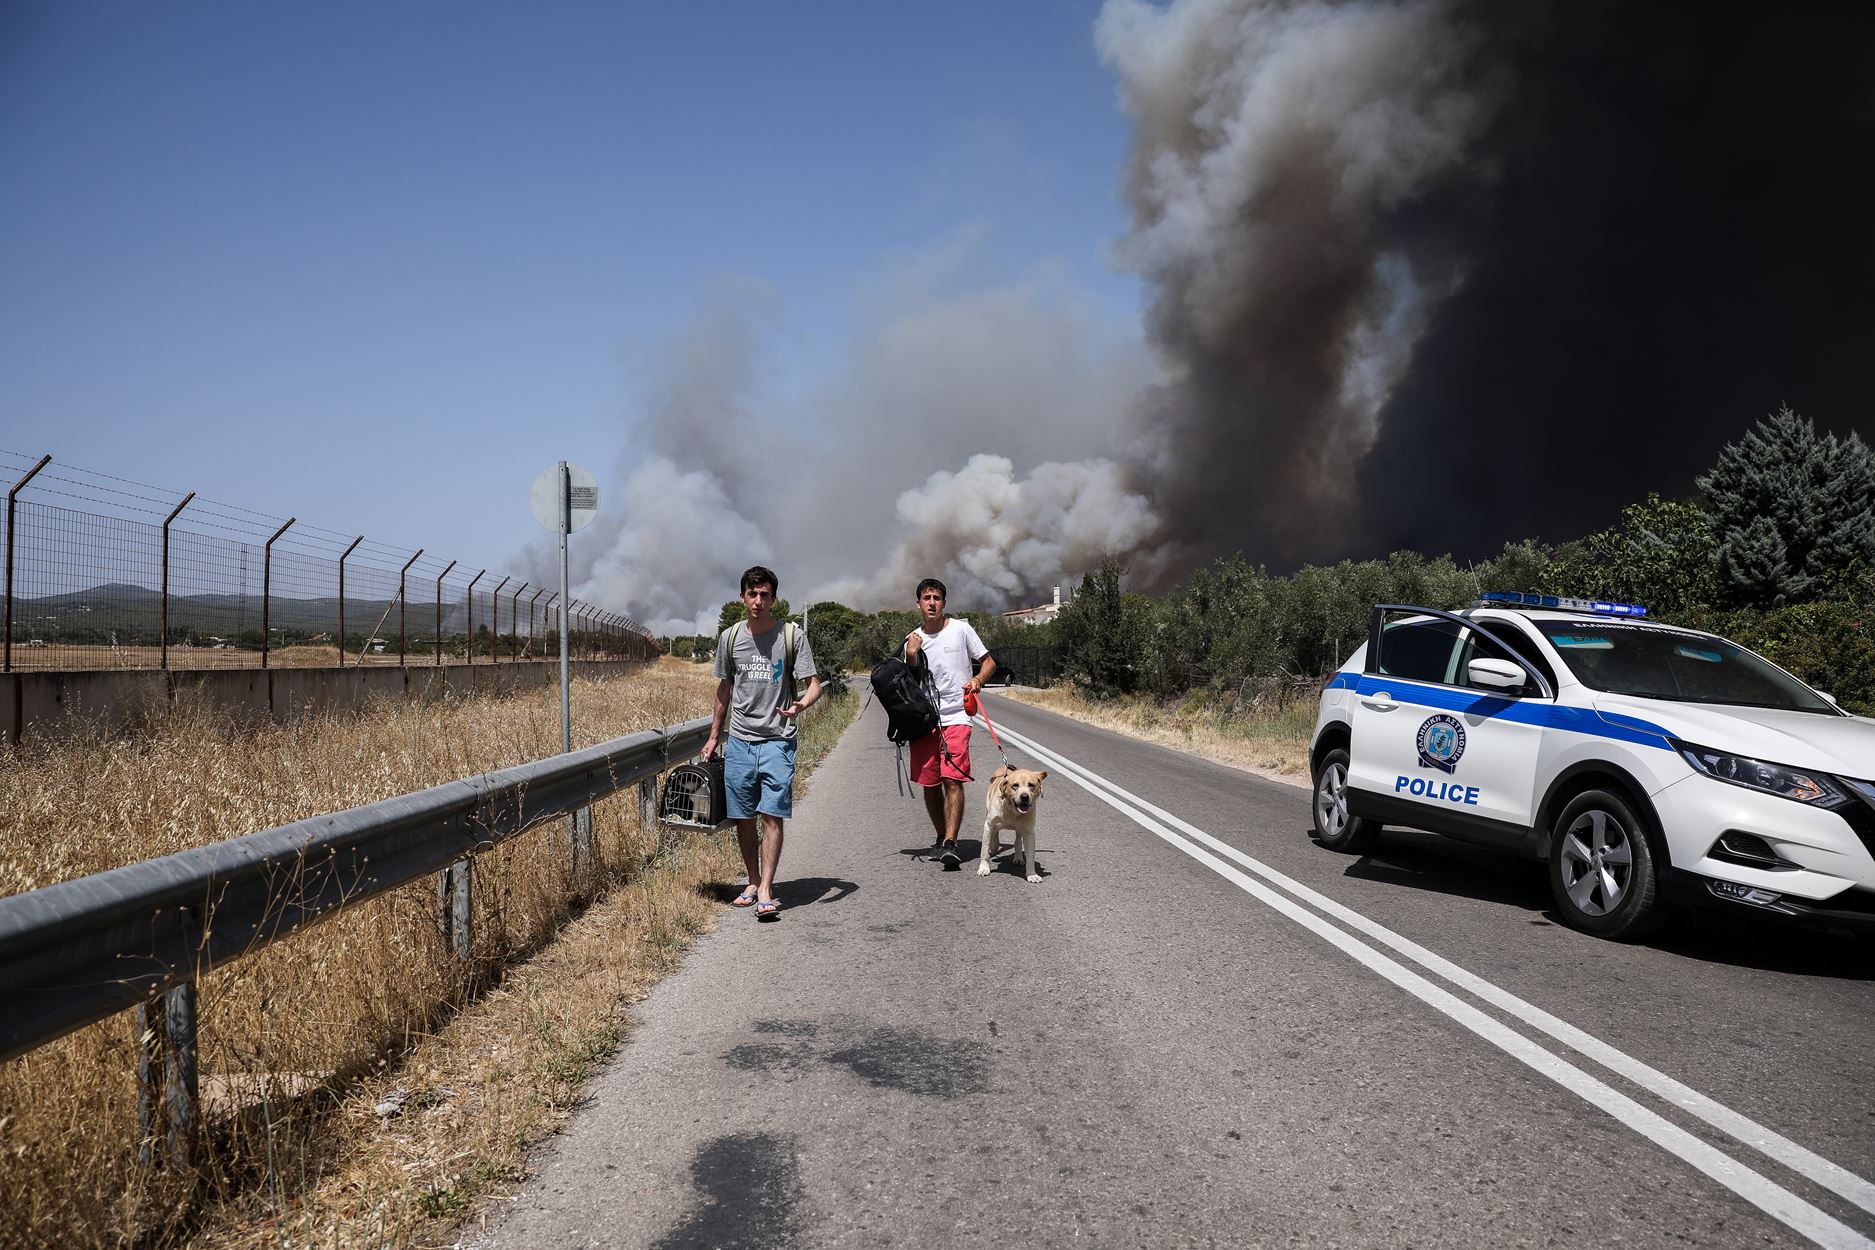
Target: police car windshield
column 1662, row 664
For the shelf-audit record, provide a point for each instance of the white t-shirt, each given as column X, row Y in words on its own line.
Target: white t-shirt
column 953, row 654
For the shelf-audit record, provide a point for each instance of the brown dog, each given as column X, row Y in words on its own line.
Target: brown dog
column 1013, row 796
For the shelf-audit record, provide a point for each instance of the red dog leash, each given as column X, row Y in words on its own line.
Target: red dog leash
column 974, row 707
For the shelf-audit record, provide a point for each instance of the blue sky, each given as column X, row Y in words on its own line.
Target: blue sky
column 377, row 265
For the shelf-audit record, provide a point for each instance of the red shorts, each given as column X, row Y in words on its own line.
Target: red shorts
column 928, row 764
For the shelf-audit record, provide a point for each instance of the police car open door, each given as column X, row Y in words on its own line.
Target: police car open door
column 1433, row 744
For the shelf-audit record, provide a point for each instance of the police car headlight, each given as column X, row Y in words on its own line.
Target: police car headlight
column 1799, row 785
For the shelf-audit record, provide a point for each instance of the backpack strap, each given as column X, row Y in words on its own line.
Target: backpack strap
column 787, row 663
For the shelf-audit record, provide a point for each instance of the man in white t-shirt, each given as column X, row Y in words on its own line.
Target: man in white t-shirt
column 940, row 761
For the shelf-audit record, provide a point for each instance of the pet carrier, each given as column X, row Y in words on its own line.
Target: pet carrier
column 693, row 795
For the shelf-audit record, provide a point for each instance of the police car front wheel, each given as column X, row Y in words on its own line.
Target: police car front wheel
column 1601, row 867
column 1336, row 829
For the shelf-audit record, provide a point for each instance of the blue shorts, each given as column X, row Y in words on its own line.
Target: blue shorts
column 759, row 777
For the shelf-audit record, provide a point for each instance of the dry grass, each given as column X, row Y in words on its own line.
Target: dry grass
column 303, row 1040
column 1269, row 737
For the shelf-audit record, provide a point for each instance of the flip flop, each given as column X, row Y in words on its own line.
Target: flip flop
column 746, row 898
column 767, row 909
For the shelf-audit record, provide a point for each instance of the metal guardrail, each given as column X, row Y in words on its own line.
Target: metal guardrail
column 78, row 951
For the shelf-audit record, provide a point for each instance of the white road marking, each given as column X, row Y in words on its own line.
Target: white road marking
column 1811, row 1166
column 1755, row 1188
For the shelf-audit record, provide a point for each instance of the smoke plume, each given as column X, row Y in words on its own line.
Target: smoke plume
column 1284, row 158
column 1441, row 275
column 1418, row 273
column 935, row 448
column 995, row 539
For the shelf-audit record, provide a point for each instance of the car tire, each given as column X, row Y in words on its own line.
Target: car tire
column 1334, row 827
column 1602, row 870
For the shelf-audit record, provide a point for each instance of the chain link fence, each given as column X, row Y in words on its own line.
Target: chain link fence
column 105, row 573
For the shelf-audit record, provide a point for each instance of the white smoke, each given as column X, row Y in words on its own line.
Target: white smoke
column 678, row 544
column 947, row 443
column 998, row 540
column 674, row 531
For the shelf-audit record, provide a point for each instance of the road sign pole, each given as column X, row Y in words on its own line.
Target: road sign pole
column 566, row 698
column 579, row 824
column 565, row 500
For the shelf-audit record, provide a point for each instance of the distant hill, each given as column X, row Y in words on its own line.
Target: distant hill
column 127, row 607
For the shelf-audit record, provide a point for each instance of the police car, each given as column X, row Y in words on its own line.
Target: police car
column 1645, row 762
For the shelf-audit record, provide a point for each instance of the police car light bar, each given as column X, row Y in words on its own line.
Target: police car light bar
column 1601, row 607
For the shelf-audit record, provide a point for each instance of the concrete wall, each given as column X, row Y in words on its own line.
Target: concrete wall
column 36, row 703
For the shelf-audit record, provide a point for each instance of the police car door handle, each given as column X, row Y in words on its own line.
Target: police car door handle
column 1381, row 702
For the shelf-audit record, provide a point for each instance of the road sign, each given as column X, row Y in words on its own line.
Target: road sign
column 565, row 500
column 584, row 488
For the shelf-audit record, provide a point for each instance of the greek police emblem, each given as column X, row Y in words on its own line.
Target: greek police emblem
column 1441, row 743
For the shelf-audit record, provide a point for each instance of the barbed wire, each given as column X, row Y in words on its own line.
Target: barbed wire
column 109, row 498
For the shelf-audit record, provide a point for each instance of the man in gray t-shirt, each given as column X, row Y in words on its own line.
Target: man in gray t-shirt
column 753, row 663
column 758, row 662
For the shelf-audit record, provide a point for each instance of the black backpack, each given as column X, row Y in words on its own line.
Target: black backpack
column 905, row 694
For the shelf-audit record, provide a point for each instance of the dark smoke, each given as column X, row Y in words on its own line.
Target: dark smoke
column 1439, row 275
column 1679, row 241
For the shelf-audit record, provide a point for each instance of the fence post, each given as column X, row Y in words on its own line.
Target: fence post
column 149, row 1025
column 546, row 614
column 454, row 912
column 445, row 892
column 494, row 633
column 342, row 559
column 266, row 590
column 468, row 628
column 402, row 599
column 581, row 830
column 459, row 918
column 179, row 1063
column 6, row 661
column 162, row 620
column 530, row 618
column 514, row 624
column 439, row 613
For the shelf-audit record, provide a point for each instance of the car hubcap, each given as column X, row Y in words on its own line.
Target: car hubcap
column 1331, row 801
column 1597, row 863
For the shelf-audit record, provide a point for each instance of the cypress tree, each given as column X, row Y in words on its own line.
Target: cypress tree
column 1794, row 512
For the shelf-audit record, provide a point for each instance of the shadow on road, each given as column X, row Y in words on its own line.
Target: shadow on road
column 967, row 848
column 1747, row 940
column 749, row 1194
column 806, row 891
column 1440, row 866
column 799, row 892
column 1742, row 939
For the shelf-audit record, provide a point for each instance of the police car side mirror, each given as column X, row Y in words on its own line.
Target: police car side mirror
column 1827, row 695
column 1495, row 674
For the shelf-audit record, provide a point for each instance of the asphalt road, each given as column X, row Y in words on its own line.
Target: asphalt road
column 1208, row 1033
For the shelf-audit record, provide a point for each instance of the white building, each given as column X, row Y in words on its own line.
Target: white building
column 1037, row 616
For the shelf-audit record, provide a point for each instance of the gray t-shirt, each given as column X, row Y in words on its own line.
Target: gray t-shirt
column 753, row 663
